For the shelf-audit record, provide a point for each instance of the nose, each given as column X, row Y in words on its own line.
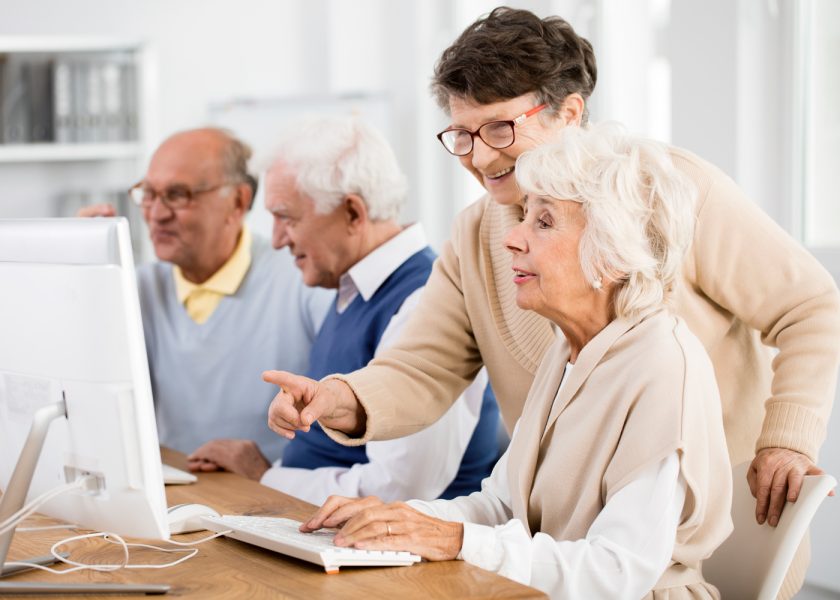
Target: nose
column 482, row 154
column 515, row 240
column 279, row 234
column 158, row 210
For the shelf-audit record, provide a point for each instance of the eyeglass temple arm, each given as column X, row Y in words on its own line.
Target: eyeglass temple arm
column 525, row 115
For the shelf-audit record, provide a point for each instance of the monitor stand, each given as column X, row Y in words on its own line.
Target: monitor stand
column 13, row 500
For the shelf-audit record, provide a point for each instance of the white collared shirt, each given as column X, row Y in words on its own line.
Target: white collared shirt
column 624, row 553
column 421, row 465
column 367, row 275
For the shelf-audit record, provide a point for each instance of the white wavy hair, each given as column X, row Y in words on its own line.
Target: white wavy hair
column 639, row 209
column 333, row 156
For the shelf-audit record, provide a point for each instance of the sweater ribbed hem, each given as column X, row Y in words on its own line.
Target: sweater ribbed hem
column 791, row 426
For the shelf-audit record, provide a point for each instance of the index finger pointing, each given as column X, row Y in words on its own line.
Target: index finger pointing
column 288, row 381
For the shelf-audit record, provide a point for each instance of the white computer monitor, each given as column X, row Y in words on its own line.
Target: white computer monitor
column 70, row 329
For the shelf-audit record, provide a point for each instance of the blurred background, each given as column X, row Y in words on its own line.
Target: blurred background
column 89, row 88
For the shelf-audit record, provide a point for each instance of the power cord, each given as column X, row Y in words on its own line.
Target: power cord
column 113, row 538
column 10, row 522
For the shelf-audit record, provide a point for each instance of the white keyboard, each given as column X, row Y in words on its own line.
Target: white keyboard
column 282, row 535
column 173, row 476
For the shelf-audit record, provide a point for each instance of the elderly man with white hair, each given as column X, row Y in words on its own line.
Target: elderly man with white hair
column 336, row 192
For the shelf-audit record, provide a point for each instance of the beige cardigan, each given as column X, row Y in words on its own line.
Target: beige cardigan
column 747, row 286
column 745, row 282
column 560, row 480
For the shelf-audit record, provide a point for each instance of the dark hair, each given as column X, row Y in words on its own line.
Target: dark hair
column 512, row 52
column 235, row 156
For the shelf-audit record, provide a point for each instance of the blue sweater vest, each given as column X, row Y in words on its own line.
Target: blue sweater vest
column 347, row 342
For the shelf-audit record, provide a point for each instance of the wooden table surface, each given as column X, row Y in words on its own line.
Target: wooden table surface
column 226, row 568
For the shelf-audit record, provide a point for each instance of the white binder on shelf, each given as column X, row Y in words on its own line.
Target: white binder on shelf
column 62, row 101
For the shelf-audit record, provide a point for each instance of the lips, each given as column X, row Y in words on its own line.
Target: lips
column 521, row 276
column 161, row 235
column 499, row 174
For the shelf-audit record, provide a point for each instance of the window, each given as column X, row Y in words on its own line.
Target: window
column 819, row 136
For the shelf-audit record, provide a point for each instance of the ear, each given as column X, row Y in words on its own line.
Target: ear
column 571, row 111
column 244, row 198
column 355, row 212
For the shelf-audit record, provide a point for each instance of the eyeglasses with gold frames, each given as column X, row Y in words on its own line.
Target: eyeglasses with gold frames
column 174, row 197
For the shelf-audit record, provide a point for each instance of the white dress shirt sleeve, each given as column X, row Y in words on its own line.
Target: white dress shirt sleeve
column 625, row 551
column 421, row 465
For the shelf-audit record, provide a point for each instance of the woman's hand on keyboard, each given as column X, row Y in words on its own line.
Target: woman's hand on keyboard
column 369, row 524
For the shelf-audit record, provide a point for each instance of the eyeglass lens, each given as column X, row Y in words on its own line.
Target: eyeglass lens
column 173, row 197
column 496, row 134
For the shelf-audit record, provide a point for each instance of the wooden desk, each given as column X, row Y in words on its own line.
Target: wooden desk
column 226, row 568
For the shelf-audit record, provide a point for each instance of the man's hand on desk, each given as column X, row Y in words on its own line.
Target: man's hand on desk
column 242, row 457
column 302, row 401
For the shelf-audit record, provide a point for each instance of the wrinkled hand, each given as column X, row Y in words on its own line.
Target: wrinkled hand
column 775, row 476
column 97, row 210
column 242, row 457
column 369, row 524
column 301, row 401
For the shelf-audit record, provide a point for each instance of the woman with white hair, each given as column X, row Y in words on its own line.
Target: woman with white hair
column 608, row 488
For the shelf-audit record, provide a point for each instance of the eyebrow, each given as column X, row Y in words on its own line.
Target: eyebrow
column 494, row 117
column 537, row 200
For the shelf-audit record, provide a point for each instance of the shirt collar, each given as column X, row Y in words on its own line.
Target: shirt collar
column 367, row 275
column 227, row 279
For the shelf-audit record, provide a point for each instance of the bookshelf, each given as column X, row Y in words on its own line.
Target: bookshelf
column 70, row 90
column 47, row 152
column 75, row 124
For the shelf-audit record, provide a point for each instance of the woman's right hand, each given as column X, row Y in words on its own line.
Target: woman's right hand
column 337, row 510
column 370, row 524
column 301, row 401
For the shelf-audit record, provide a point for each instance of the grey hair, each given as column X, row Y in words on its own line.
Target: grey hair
column 639, row 209
column 334, row 156
column 235, row 156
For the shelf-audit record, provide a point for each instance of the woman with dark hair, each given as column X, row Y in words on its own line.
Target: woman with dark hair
column 512, row 82
column 607, row 489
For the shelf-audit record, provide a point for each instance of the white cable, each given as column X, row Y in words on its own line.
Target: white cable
column 202, row 540
column 113, row 539
column 45, row 497
column 11, row 521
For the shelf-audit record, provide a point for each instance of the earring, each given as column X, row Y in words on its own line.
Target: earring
column 596, row 283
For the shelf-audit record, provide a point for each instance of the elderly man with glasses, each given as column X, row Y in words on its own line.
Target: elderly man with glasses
column 221, row 306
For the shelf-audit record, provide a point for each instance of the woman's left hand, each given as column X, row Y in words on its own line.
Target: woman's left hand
column 372, row 525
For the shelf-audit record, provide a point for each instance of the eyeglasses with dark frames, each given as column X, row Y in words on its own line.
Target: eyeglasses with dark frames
column 174, row 197
column 496, row 134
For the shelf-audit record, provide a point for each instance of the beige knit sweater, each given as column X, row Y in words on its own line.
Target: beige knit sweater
column 745, row 282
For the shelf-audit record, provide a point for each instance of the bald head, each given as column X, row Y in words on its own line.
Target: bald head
column 209, row 167
column 212, row 149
